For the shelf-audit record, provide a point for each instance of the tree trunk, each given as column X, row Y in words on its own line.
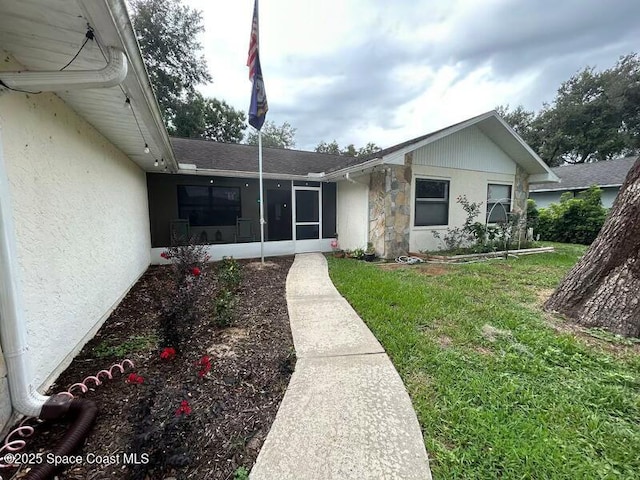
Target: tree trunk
column 603, row 288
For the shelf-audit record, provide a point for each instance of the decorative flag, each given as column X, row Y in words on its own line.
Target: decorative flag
column 258, row 107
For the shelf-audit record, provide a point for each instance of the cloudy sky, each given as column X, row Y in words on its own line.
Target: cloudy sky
column 388, row 70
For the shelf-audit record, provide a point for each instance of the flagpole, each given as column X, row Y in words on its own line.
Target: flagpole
column 261, row 199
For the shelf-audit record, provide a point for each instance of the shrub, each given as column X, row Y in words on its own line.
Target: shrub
column 573, row 220
column 185, row 292
column 477, row 237
column 229, row 276
column 532, row 214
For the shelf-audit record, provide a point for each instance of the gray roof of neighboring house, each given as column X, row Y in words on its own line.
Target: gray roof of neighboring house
column 207, row 154
column 584, row 175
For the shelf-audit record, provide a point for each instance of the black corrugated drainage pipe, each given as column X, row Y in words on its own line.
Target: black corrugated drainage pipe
column 58, row 407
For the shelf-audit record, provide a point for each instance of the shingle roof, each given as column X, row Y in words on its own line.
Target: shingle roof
column 206, row 154
column 572, row 177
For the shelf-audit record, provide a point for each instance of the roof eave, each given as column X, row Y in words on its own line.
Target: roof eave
column 187, row 169
column 548, row 177
column 341, row 173
column 112, row 14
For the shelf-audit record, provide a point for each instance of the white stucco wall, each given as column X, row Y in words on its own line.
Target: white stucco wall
column 81, row 215
column 472, row 183
column 353, row 214
column 470, row 161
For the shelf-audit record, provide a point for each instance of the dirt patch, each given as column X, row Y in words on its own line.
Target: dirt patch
column 432, row 270
column 191, row 425
column 542, row 295
column 483, row 351
column 617, row 348
column 444, row 341
column 428, row 269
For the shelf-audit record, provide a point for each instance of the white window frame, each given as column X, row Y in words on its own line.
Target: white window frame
column 446, row 199
column 504, row 184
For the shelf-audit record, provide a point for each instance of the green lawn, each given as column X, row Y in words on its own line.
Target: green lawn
column 498, row 392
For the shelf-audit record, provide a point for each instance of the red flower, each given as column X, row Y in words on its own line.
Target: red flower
column 168, row 353
column 135, row 378
column 165, row 255
column 205, row 365
column 195, row 271
column 184, row 408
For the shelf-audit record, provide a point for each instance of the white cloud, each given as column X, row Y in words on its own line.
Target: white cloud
column 359, row 71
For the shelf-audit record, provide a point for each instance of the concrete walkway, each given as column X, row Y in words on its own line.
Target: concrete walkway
column 346, row 414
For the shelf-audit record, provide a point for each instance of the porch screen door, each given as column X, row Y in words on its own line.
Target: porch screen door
column 307, row 213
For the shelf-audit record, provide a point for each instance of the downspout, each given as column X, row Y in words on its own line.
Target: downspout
column 25, row 398
column 13, row 332
column 111, row 75
column 349, row 179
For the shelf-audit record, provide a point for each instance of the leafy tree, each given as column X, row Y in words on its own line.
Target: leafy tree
column 282, row 136
column 332, row 148
column 519, row 119
column 594, row 116
column 349, row 150
column 167, row 33
column 209, row 118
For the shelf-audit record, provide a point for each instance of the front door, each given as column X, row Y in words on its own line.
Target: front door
column 307, row 221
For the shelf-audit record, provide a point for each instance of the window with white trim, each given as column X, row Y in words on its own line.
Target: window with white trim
column 498, row 202
column 432, row 202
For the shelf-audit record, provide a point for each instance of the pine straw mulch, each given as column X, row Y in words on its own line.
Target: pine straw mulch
column 231, row 407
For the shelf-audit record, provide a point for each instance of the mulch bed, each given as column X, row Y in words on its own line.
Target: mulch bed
column 229, row 409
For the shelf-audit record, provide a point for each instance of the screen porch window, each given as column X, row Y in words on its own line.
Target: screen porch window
column 208, row 206
column 498, row 202
column 432, row 202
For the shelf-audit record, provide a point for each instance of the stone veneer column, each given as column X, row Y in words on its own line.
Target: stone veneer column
column 520, row 195
column 521, row 192
column 390, row 209
column 376, row 211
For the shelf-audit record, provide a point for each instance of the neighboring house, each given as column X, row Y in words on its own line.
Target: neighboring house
column 394, row 199
column 609, row 176
column 84, row 209
column 73, row 191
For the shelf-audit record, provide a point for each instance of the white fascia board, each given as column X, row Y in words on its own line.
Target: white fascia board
column 210, row 172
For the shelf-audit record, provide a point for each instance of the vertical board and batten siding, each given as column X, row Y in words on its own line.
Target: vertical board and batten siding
column 352, row 214
column 469, row 160
column 469, row 149
column 82, row 225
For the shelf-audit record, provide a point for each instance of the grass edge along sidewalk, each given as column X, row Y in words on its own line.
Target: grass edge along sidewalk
column 501, row 389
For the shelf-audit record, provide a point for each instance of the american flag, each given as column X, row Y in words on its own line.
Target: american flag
column 253, row 43
column 258, row 106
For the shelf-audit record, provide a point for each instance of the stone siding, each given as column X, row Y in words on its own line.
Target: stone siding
column 390, row 209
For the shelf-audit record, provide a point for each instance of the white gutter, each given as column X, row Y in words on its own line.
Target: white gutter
column 338, row 174
column 111, row 75
column 186, row 169
column 13, row 331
